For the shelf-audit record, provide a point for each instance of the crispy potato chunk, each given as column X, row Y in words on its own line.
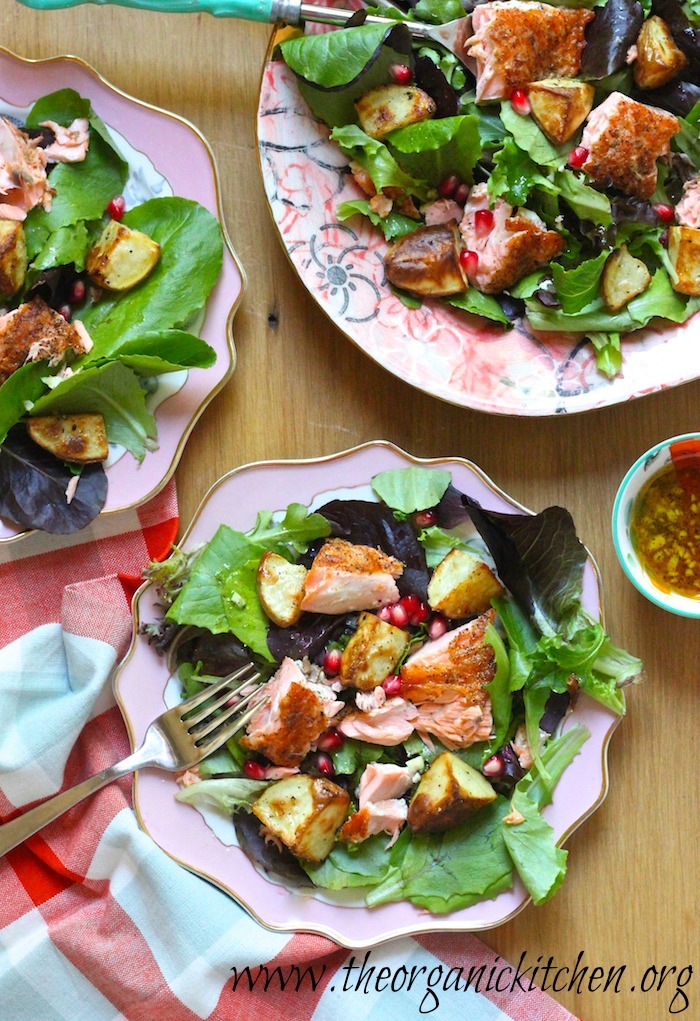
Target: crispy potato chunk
column 448, row 793
column 658, row 58
column 560, row 106
column 623, row 278
column 304, row 812
column 426, row 262
column 81, row 438
column 121, row 258
column 684, row 253
column 13, row 257
column 372, row 652
column 462, row 585
column 281, row 588
column 389, row 107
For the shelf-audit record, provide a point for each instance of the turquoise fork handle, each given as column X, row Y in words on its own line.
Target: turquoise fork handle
column 248, row 10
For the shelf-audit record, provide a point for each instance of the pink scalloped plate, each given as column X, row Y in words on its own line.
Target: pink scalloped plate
column 449, row 354
column 142, row 682
column 166, row 155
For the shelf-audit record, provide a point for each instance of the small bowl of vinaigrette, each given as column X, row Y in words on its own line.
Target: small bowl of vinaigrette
column 656, row 524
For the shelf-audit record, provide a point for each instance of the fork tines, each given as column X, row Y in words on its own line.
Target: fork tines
column 220, row 706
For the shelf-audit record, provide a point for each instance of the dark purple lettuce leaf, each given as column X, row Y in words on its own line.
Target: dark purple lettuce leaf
column 451, row 510
column 539, row 558
column 685, row 36
column 219, row 654
column 609, row 36
column 309, row 637
column 428, row 76
column 33, row 487
column 373, row 524
column 280, row 865
column 677, row 97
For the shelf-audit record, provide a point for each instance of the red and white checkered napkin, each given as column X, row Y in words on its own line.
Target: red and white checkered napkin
column 96, row 922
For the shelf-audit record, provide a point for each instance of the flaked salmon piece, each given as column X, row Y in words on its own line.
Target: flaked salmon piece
column 624, row 139
column 367, row 700
column 70, row 144
column 390, row 724
column 32, row 332
column 346, row 576
column 458, row 664
column 516, row 42
column 516, row 244
column 456, row 722
column 383, row 781
column 293, row 718
column 376, row 817
column 688, row 209
column 23, row 180
column 442, row 211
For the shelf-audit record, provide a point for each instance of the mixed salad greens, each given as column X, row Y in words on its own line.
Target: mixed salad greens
column 137, row 334
column 500, row 143
column 544, row 651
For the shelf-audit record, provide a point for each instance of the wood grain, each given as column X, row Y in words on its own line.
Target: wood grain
column 301, row 390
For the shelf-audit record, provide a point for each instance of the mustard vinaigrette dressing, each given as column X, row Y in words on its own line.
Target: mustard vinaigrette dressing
column 665, row 523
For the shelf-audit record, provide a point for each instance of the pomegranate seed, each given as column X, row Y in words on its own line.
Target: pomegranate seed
column 483, row 222
column 469, row 261
column 401, row 73
column 384, row 613
column 462, row 195
column 78, row 292
column 253, row 770
column 663, row 238
column 67, row 312
column 437, row 627
column 520, row 102
column 392, row 684
column 578, row 156
column 410, row 603
column 493, row 766
column 117, row 207
column 331, row 662
column 324, row 764
column 665, row 212
column 424, row 519
column 331, row 740
column 449, row 186
column 399, row 617
column 420, row 615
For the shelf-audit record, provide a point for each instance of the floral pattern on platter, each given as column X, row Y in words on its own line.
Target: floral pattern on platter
column 450, row 354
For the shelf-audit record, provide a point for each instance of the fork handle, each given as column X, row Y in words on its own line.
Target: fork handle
column 14, row 832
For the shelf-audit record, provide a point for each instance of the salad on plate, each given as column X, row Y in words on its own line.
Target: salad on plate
column 421, row 663
column 549, row 177
column 101, row 292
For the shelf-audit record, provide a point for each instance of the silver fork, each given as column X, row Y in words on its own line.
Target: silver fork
column 179, row 738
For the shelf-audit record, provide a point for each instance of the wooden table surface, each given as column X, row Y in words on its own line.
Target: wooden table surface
column 302, row 390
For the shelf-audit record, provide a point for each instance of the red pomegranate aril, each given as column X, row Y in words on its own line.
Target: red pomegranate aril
column 462, row 195
column 420, row 615
column 469, row 261
column 437, row 627
column 384, row 614
column 253, row 770
column 425, row 519
column 324, row 764
column 392, row 684
column 578, row 156
column 331, row 662
column 483, row 222
column 330, row 741
column 449, row 186
column 665, row 212
column 401, row 73
column 77, row 292
column 494, row 766
column 520, row 102
column 116, row 207
column 67, row 312
column 399, row 617
column 410, row 603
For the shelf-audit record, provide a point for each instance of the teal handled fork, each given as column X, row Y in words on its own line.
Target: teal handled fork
column 450, row 35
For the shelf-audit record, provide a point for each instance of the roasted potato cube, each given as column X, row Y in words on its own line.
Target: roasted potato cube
column 121, row 258
column 389, row 107
column 304, row 812
column 560, row 106
column 81, row 438
column 448, row 793
column 658, row 58
column 13, row 257
column 281, row 588
column 684, row 253
column 372, row 652
column 623, row 278
column 426, row 262
column 462, row 585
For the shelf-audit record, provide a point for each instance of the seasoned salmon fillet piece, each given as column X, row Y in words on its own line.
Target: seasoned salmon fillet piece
column 346, row 576
column 624, row 140
column 458, row 664
column 455, row 721
column 295, row 715
column 383, row 781
column 516, row 244
column 515, row 43
column 70, row 144
column 32, row 332
column 688, row 209
column 375, row 817
column 23, row 180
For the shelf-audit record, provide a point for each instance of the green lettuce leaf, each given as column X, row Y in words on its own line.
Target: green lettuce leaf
column 374, row 157
column 532, row 140
column 578, row 287
column 479, row 304
column 432, row 150
column 515, row 175
column 228, row 794
column 393, row 226
column 411, row 489
column 355, row 865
